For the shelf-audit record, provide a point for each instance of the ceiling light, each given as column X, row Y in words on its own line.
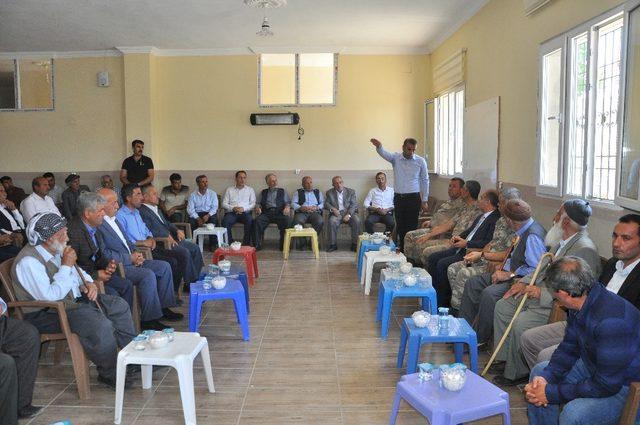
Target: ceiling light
column 264, row 4
column 265, row 30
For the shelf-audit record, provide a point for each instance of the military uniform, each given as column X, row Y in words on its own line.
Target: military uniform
column 445, row 212
column 458, row 273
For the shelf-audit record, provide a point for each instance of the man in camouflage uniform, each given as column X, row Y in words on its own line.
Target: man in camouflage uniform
column 444, row 213
column 428, row 244
column 503, row 235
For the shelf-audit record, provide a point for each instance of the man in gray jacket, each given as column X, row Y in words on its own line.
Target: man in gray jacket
column 342, row 206
column 567, row 237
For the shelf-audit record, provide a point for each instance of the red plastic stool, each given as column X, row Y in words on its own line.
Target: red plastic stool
column 250, row 259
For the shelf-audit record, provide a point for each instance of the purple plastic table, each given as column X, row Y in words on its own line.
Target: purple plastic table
column 478, row 399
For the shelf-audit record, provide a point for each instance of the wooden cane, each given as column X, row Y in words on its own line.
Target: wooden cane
column 84, row 282
column 517, row 312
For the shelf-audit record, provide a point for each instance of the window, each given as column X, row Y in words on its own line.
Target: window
column 448, row 132
column 26, row 84
column 578, row 123
column 304, row 79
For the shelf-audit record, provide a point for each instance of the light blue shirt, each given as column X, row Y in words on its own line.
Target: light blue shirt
column 410, row 175
column 533, row 251
column 202, row 203
column 134, row 228
column 3, row 306
column 309, row 200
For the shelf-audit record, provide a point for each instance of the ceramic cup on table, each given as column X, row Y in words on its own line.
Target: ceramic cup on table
column 219, row 282
column 210, row 226
column 235, row 246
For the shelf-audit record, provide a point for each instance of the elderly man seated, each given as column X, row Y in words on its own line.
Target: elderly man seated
column 568, row 236
column 202, row 207
column 379, row 204
column 71, row 194
column 238, row 202
column 174, row 198
column 483, row 291
column 14, row 194
column 475, row 236
column 476, row 262
column 39, row 201
column 587, row 380
column 45, row 270
column 307, row 205
column 11, row 228
column 342, row 205
column 273, row 206
column 431, row 242
column 106, row 182
column 445, row 212
column 161, row 227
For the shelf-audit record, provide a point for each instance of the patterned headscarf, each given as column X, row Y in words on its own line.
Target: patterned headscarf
column 44, row 225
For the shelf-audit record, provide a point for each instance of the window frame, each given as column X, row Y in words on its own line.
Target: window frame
column 436, row 154
column 297, row 103
column 16, row 85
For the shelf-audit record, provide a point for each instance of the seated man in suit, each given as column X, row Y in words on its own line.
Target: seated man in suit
column 38, row 201
column 174, row 198
column 342, row 205
column 475, row 236
column 153, row 277
column 89, row 247
column 46, row 270
column 620, row 275
column 379, row 203
column 19, row 350
column 14, row 194
column 307, row 205
column 202, row 207
column 11, row 228
column 161, row 227
column 273, row 206
column 70, row 195
column 238, row 202
column 139, row 234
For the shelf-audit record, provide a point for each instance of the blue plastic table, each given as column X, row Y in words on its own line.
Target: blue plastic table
column 370, row 246
column 459, row 333
column 478, row 399
column 236, row 272
column 233, row 290
column 388, row 291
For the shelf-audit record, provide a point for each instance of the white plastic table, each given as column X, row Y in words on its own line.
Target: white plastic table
column 178, row 354
column 372, row 257
column 201, row 232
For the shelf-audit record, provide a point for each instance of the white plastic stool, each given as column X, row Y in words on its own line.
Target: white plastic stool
column 201, row 232
column 178, row 354
column 372, row 257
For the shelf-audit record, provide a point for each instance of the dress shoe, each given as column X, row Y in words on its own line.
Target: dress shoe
column 29, row 411
column 153, row 325
column 497, row 368
column 332, row 248
column 171, row 316
column 353, row 247
column 258, row 247
column 111, row 382
column 501, row 381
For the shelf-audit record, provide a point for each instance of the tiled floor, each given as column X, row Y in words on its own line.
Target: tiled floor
column 314, row 358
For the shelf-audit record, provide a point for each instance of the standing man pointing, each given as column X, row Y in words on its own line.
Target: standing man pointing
column 411, row 181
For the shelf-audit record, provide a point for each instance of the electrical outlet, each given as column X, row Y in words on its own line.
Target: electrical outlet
column 298, row 171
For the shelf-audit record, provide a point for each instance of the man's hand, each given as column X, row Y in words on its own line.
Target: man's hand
column 458, row 242
column 346, row 218
column 425, row 207
column 6, row 240
column 335, row 212
column 149, row 243
column 199, row 221
column 533, row 291
column 376, row 143
column 180, row 235
column 472, row 257
column 91, row 290
column 111, row 267
column 238, row 210
column 258, row 210
column 69, row 257
column 500, row 276
column 535, row 392
column 9, row 205
column 171, row 211
column 172, row 242
column 137, row 258
column 286, row 210
column 104, row 275
column 423, row 238
column 18, row 239
column 425, row 224
column 516, row 290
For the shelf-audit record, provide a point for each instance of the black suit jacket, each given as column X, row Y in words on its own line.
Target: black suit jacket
column 630, row 289
column 157, row 227
column 86, row 250
column 485, row 233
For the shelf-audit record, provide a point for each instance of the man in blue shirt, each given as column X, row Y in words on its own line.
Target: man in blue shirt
column 591, row 369
column 307, row 205
column 411, row 185
column 202, row 206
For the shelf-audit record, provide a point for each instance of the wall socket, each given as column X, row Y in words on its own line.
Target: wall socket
column 298, row 171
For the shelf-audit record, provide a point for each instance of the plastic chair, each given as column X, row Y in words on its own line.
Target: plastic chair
column 249, row 255
column 233, row 290
column 201, row 232
column 459, row 333
column 478, row 399
column 178, row 354
column 304, row 233
column 370, row 259
column 366, row 246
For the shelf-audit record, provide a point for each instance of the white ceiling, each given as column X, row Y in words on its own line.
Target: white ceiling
column 306, row 25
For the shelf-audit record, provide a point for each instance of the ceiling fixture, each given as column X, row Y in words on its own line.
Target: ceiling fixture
column 265, row 30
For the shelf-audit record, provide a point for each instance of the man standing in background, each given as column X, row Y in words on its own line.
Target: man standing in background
column 137, row 168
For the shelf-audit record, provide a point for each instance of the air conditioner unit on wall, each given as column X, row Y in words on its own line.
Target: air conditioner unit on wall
column 531, row 6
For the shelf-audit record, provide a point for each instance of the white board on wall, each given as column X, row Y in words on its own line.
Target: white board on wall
column 480, row 150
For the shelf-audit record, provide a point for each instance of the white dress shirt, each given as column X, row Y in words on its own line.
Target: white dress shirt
column 154, row 208
column 378, row 198
column 111, row 221
column 34, row 204
column 620, row 275
column 32, row 274
column 56, row 194
column 14, row 217
column 478, row 224
column 340, row 200
column 235, row 197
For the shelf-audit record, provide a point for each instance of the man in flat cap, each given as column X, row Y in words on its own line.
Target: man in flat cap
column 71, row 194
column 483, row 291
column 46, row 270
column 570, row 223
